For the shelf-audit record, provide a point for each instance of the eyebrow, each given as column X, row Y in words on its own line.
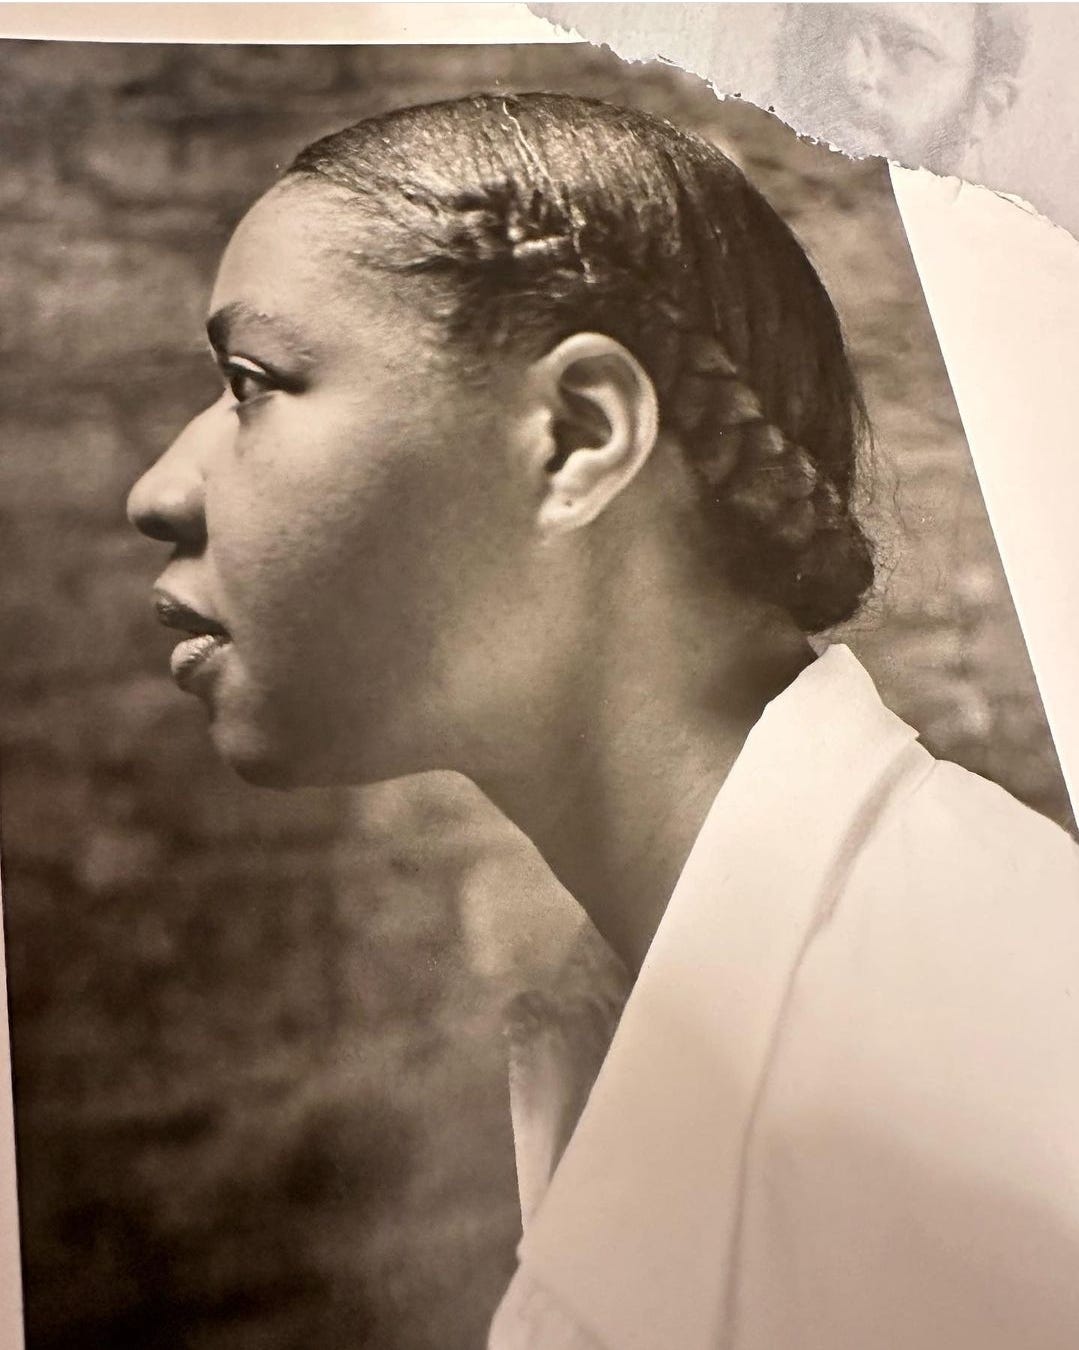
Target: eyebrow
column 902, row 30
column 223, row 323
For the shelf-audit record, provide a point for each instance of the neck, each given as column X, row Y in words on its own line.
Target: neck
column 645, row 740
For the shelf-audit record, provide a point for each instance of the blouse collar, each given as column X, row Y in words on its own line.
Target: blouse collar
column 635, row 1230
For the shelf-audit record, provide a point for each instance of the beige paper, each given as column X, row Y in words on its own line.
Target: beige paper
column 317, row 22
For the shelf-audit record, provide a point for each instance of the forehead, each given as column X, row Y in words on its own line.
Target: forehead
column 291, row 265
column 947, row 28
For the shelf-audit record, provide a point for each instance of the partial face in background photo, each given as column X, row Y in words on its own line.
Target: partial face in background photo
column 921, row 83
column 339, row 514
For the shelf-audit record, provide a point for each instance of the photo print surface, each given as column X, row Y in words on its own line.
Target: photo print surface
column 259, row 1037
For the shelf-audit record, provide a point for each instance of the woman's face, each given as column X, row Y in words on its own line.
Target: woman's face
column 352, row 544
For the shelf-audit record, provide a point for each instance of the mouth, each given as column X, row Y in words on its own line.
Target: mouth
column 205, row 637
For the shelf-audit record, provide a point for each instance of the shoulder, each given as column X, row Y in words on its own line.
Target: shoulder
column 920, row 1123
column 954, row 841
column 945, row 983
column 974, row 807
column 963, row 893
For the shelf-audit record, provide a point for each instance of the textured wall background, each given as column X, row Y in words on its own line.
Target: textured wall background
column 259, row 1082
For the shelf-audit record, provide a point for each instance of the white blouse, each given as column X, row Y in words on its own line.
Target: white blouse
column 840, row 1110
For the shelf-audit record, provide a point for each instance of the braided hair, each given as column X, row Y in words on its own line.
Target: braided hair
column 535, row 216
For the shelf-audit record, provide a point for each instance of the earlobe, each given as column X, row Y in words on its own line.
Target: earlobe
column 604, row 422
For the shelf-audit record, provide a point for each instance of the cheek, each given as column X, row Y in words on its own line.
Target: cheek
column 346, row 545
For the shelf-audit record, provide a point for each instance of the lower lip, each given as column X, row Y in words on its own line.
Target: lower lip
column 192, row 656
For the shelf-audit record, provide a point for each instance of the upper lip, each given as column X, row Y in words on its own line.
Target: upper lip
column 174, row 613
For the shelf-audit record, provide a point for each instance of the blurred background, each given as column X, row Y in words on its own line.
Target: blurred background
column 260, row 1085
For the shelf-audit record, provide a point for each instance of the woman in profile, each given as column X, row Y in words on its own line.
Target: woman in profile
column 535, row 461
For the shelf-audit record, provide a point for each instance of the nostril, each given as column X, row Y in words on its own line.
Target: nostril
column 153, row 525
column 144, row 512
column 168, row 501
column 167, row 517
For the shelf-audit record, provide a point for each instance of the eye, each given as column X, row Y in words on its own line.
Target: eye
column 245, row 380
column 910, row 51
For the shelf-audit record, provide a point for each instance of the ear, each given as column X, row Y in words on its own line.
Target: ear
column 603, row 419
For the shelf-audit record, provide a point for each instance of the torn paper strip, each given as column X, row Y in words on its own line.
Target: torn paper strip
column 984, row 92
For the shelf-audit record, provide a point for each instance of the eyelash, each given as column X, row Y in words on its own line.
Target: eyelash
column 237, row 371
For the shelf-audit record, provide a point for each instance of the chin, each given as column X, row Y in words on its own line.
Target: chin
column 272, row 761
column 257, row 758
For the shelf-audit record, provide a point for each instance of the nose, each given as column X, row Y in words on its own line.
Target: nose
column 865, row 60
column 168, row 502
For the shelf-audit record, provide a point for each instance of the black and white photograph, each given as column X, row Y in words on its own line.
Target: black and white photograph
column 528, row 820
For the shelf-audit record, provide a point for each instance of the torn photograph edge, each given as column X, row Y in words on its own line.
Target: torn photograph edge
column 997, row 278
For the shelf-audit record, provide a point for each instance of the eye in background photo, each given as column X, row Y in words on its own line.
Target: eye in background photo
column 260, row 1085
column 925, row 84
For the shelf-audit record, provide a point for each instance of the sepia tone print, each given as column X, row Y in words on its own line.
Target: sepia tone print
column 258, row 1036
